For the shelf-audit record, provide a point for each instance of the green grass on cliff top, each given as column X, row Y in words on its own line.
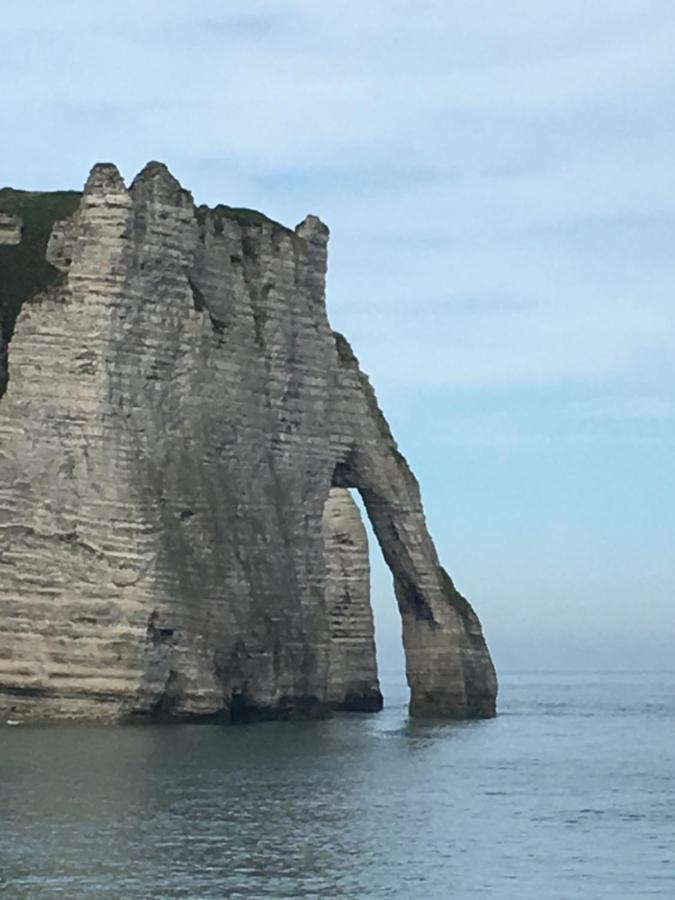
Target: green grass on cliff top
column 24, row 271
column 238, row 213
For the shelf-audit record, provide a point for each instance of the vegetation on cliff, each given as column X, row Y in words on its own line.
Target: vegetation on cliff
column 240, row 215
column 24, row 271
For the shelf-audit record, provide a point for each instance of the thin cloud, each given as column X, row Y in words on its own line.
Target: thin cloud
column 625, row 409
column 497, row 177
column 520, row 142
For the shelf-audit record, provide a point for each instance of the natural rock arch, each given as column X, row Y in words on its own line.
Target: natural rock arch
column 178, row 411
column 447, row 664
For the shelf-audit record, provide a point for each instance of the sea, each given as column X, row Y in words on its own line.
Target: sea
column 569, row 794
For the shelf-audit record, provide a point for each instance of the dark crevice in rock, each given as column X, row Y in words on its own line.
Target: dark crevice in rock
column 259, row 320
column 218, row 324
column 198, row 300
column 165, row 706
column 242, row 711
column 343, row 473
column 414, row 599
column 158, row 635
column 460, row 603
column 370, row 701
column 200, row 304
column 249, row 247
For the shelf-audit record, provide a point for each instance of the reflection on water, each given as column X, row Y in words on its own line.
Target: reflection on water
column 567, row 794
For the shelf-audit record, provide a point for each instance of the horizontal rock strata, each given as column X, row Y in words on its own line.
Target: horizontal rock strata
column 177, row 413
column 352, row 670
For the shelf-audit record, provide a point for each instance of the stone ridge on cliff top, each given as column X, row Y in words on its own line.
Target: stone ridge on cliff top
column 180, row 429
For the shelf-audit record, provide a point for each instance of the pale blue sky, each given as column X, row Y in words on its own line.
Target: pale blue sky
column 498, row 179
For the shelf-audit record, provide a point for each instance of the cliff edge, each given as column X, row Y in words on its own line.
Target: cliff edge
column 179, row 429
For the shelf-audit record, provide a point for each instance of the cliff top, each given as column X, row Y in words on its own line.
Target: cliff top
column 24, row 270
column 27, row 219
column 240, row 214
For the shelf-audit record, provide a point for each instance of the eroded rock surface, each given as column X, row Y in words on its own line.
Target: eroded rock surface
column 178, row 410
column 10, row 230
column 352, row 669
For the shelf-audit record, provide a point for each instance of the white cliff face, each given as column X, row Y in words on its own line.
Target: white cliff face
column 177, row 413
column 352, row 669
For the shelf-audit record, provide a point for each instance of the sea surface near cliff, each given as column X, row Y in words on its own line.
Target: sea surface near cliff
column 568, row 793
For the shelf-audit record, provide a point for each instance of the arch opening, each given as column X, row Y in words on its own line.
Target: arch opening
column 391, row 665
column 353, row 682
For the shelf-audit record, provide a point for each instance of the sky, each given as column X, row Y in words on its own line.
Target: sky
column 499, row 182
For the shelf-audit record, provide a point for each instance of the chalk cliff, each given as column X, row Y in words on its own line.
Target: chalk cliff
column 352, row 668
column 177, row 436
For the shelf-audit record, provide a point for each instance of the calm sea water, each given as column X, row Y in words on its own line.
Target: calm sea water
column 570, row 793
